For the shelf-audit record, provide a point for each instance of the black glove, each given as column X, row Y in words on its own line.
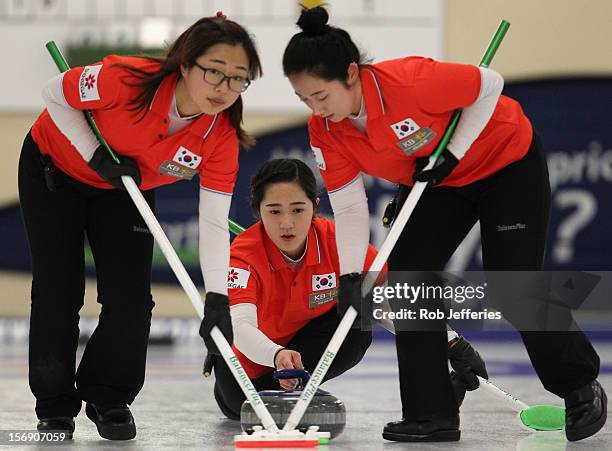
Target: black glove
column 109, row 170
column 349, row 294
column 443, row 166
column 467, row 364
column 216, row 313
column 459, row 387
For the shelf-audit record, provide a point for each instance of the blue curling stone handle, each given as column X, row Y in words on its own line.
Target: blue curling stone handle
column 302, row 375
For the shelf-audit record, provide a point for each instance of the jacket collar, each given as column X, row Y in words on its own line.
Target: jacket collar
column 276, row 259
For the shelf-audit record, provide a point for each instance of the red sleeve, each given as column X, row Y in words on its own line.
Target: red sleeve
column 442, row 87
column 93, row 87
column 335, row 168
column 219, row 171
column 242, row 282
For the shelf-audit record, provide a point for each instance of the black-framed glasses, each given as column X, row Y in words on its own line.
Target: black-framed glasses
column 215, row 77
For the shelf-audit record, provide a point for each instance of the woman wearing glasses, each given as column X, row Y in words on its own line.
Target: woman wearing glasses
column 168, row 119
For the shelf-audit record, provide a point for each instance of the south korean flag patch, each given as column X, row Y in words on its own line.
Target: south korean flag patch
column 323, row 281
column 404, row 128
column 187, row 158
column 237, row 278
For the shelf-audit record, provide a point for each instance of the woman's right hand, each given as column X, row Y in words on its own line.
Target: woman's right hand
column 111, row 171
column 286, row 359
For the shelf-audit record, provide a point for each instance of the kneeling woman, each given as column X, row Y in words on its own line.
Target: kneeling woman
column 282, row 285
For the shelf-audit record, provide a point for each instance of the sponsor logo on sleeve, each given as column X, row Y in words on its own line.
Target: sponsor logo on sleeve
column 318, row 156
column 88, row 83
column 237, row 278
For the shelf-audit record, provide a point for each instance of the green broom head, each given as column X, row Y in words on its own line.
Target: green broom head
column 543, row 418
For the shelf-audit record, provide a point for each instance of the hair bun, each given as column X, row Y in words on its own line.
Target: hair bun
column 313, row 20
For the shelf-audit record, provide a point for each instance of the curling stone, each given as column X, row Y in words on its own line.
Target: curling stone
column 325, row 410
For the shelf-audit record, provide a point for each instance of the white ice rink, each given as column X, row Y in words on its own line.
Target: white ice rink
column 176, row 409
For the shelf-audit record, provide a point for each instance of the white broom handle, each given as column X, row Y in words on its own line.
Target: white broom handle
column 381, row 258
column 194, row 296
column 383, row 254
column 349, row 317
column 164, row 244
column 321, row 369
column 514, row 403
column 394, row 233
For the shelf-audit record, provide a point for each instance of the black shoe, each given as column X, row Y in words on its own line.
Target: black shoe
column 113, row 422
column 585, row 411
column 434, row 430
column 57, row 424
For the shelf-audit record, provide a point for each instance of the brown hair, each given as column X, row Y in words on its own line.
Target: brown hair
column 192, row 43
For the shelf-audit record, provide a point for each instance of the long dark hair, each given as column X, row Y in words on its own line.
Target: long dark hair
column 320, row 49
column 192, row 43
column 283, row 170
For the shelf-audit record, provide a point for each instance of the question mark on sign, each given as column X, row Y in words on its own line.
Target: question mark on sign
column 586, row 207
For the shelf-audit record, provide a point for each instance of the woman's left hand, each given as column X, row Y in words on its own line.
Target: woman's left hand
column 443, row 166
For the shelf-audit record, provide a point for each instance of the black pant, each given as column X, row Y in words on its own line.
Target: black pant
column 519, row 193
column 112, row 368
column 310, row 342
